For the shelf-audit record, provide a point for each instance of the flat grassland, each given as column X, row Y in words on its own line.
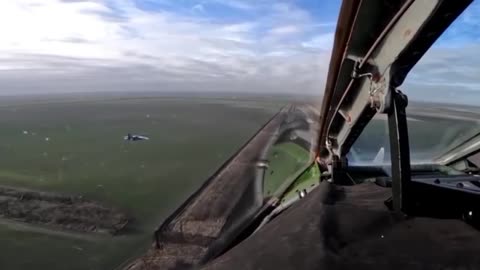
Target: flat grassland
column 74, row 145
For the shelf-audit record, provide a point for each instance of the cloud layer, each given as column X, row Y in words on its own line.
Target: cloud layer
column 204, row 45
column 127, row 45
column 450, row 71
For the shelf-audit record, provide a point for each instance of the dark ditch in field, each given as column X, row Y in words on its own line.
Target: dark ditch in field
column 59, row 211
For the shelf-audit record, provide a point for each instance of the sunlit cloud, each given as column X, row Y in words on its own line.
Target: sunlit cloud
column 76, row 45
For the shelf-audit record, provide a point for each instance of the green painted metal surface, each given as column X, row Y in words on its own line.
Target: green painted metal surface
column 307, row 181
column 285, row 159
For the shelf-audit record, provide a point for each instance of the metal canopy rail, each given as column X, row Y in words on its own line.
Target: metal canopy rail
column 376, row 44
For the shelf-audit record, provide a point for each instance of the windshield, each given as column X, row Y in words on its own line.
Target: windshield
column 443, row 91
column 424, row 146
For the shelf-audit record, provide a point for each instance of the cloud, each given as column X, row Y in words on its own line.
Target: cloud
column 82, row 45
column 198, row 8
column 236, row 4
column 446, row 75
column 449, row 71
column 203, row 45
column 285, row 30
column 320, row 41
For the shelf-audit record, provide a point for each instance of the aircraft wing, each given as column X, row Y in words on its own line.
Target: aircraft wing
column 241, row 194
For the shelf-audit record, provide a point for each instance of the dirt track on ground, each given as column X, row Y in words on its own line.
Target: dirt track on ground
column 59, row 211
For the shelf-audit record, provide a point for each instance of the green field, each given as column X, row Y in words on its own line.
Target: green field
column 75, row 146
